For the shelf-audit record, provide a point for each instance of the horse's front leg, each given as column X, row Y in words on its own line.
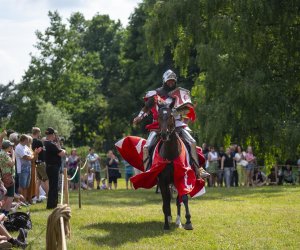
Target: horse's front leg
column 188, row 225
column 166, row 197
column 178, row 219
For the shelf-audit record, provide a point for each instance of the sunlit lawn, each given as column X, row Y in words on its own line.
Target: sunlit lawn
column 236, row 218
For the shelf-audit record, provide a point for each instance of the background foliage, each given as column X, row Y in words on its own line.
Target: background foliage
column 240, row 58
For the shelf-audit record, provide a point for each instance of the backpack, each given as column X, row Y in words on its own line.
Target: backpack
column 18, row 220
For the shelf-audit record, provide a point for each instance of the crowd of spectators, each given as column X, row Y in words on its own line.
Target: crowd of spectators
column 236, row 167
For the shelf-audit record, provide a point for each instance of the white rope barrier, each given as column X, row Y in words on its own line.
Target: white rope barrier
column 84, row 165
column 70, row 179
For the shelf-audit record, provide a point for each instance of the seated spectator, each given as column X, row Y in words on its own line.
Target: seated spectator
column 103, row 184
column 272, row 177
column 259, row 178
column 288, row 175
column 90, row 178
column 7, row 241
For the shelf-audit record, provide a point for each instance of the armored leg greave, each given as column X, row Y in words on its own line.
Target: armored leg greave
column 147, row 146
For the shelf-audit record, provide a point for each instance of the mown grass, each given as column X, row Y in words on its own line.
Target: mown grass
column 236, row 218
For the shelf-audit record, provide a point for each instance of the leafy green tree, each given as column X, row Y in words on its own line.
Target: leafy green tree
column 248, row 86
column 6, row 94
column 63, row 73
column 51, row 116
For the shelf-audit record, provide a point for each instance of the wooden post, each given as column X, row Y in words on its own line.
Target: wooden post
column 79, row 189
column 66, row 187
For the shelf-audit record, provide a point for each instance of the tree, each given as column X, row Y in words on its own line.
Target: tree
column 6, row 94
column 63, row 73
column 51, row 116
column 248, row 87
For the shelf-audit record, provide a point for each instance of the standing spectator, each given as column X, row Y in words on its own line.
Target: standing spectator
column 7, row 166
column 73, row 164
column 53, row 154
column 220, row 170
column 24, row 156
column 14, row 138
column 227, row 163
column 240, row 166
column 2, row 136
column 128, row 173
column 212, row 168
column 235, row 177
column 112, row 169
column 250, row 158
column 42, row 178
column 31, row 192
column 94, row 162
column 64, row 160
column 205, row 150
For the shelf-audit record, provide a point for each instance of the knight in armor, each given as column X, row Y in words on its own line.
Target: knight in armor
column 152, row 100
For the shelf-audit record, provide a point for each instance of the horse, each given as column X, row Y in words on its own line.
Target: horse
column 169, row 149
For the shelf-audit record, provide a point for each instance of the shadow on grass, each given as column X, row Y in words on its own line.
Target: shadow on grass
column 121, row 233
column 120, row 198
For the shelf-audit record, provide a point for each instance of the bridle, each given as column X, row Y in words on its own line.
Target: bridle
column 165, row 114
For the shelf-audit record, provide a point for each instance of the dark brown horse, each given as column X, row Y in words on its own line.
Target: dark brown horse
column 170, row 149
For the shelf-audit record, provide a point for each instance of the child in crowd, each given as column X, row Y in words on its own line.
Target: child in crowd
column 103, row 184
column 259, row 178
column 90, row 178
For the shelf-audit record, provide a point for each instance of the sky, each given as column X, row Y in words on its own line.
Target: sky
column 19, row 19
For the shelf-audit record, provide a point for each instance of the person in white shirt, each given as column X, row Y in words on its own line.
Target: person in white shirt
column 212, row 169
column 23, row 159
column 241, row 164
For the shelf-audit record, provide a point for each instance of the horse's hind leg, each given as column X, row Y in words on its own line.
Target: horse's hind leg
column 178, row 219
column 188, row 225
column 166, row 197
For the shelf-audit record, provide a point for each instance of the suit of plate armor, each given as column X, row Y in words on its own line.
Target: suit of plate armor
column 152, row 99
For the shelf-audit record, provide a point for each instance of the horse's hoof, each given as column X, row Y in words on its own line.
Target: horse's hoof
column 178, row 222
column 188, row 226
column 179, row 225
column 166, row 227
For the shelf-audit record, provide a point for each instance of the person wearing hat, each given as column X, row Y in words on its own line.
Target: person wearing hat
column 7, row 166
column 42, row 178
column 53, row 154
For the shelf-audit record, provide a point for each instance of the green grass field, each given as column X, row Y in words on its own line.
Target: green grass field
column 235, row 218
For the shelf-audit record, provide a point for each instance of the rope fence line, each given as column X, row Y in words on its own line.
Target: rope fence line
column 70, row 179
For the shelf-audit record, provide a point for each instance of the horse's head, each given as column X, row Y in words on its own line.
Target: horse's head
column 166, row 122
